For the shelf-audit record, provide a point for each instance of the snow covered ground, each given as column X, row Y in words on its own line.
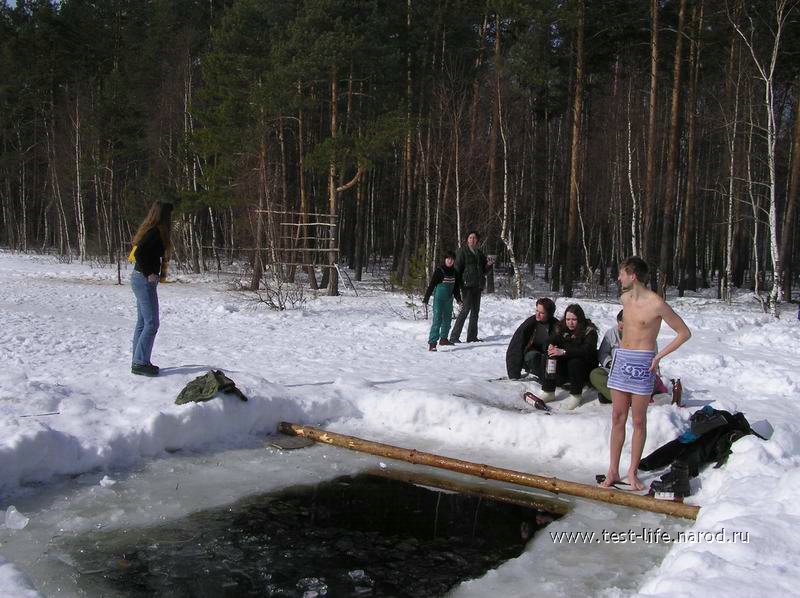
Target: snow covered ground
column 73, row 419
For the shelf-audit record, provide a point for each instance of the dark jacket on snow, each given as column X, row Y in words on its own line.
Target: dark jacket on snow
column 529, row 336
column 709, row 440
column 149, row 252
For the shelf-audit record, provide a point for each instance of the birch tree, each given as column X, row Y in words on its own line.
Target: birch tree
column 765, row 65
column 506, row 234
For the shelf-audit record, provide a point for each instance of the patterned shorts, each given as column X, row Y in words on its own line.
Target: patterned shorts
column 630, row 371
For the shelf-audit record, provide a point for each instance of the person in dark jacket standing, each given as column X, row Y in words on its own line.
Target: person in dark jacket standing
column 528, row 346
column 444, row 286
column 471, row 265
column 151, row 245
column 574, row 346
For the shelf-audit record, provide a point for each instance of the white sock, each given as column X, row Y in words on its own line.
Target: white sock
column 572, row 401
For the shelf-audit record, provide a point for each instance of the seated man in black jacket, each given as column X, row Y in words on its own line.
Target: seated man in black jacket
column 528, row 347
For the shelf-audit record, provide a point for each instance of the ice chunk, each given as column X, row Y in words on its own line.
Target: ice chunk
column 15, row 519
column 312, row 587
column 360, row 578
column 107, row 481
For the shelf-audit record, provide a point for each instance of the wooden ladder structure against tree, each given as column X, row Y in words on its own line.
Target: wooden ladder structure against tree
column 297, row 250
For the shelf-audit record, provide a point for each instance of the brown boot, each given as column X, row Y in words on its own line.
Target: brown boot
column 443, row 341
column 432, row 347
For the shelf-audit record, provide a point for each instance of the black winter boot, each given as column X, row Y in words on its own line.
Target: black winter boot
column 674, row 484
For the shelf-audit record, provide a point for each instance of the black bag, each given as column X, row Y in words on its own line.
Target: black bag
column 709, row 441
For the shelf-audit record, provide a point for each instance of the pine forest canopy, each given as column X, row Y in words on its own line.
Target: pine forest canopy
column 300, row 133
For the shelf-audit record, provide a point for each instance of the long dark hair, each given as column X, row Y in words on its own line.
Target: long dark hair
column 160, row 215
column 584, row 323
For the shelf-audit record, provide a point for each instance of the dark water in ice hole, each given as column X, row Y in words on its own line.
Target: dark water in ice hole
column 352, row 536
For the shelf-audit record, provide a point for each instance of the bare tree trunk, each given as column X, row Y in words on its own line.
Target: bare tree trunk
column 288, row 271
column 665, row 257
column 358, row 266
column 476, row 94
column 635, row 209
column 441, row 204
column 688, row 246
column 791, row 201
column 80, row 217
column 506, row 234
column 755, row 205
column 333, row 273
column 648, row 240
column 301, row 181
column 424, row 158
column 456, row 150
column 574, row 167
column 489, row 234
column 406, row 251
column 263, row 177
column 732, row 126
column 64, row 244
column 22, row 233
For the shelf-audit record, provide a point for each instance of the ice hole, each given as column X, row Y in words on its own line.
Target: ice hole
column 362, row 535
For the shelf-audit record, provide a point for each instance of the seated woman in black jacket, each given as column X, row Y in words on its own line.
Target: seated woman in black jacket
column 574, row 347
column 528, row 346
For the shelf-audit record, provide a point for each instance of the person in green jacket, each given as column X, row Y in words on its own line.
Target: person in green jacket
column 444, row 286
column 471, row 265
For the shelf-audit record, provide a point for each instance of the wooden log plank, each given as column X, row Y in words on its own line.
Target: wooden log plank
column 551, row 484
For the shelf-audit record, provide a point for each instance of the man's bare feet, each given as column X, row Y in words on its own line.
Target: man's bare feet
column 634, row 481
column 612, row 477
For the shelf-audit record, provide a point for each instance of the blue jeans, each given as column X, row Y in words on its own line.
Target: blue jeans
column 144, row 335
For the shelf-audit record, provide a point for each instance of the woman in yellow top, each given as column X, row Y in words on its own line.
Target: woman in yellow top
column 151, row 248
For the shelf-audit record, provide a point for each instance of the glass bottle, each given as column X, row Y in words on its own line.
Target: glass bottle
column 550, row 368
column 677, row 391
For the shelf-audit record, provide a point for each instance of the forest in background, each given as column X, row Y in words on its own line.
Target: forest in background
column 300, row 135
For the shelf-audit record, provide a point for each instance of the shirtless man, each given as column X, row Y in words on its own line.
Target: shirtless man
column 635, row 363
